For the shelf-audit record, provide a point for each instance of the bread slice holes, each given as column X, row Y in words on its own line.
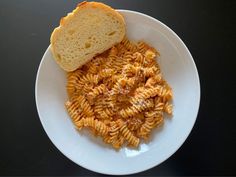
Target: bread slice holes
column 87, row 45
column 112, row 33
column 71, row 32
column 59, row 57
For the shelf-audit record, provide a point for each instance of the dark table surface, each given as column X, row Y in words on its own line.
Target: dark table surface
column 206, row 27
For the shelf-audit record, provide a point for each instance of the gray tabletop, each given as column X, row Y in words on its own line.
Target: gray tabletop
column 206, row 27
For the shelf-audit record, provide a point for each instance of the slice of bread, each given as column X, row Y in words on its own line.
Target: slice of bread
column 90, row 29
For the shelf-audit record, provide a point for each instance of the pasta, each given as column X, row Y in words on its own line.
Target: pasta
column 137, row 107
column 96, row 91
column 128, row 135
column 120, row 94
column 97, row 125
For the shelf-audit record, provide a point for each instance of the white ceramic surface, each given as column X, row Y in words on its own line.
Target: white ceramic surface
column 178, row 69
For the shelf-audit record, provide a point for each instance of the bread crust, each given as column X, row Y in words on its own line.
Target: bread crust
column 67, row 19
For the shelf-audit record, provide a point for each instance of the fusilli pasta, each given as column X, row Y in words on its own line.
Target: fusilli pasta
column 120, row 94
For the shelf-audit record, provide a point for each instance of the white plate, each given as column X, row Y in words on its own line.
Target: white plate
column 178, row 69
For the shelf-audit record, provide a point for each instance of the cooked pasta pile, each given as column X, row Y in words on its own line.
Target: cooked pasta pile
column 120, row 95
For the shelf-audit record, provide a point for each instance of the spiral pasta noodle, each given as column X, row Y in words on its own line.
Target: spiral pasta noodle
column 120, row 95
column 96, row 91
column 137, row 106
column 128, row 135
column 97, row 125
